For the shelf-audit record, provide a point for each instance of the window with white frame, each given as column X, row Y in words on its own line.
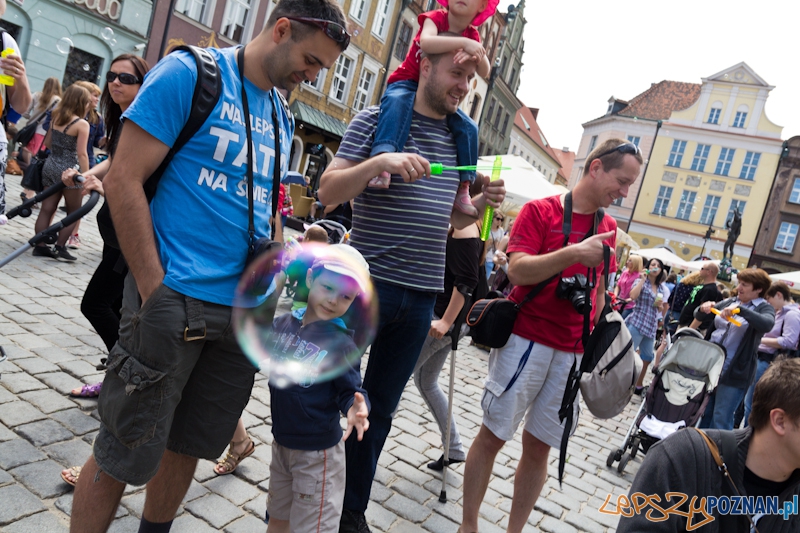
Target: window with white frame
column 738, row 120
column 700, row 157
column 749, row 166
column 617, row 201
column 786, row 237
column 319, row 81
column 662, row 201
column 403, row 41
column 724, row 161
column 686, row 205
column 713, row 115
column 633, row 139
column 341, row 78
column 380, row 22
column 710, row 210
column 235, row 18
column 740, row 204
column 193, row 9
column 676, row 154
column 794, row 197
column 364, row 89
column 358, row 10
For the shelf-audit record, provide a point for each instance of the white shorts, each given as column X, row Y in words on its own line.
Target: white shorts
column 536, row 393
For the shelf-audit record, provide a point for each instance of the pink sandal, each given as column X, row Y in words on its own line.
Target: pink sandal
column 464, row 202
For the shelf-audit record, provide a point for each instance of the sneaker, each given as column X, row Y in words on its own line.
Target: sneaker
column 62, row 253
column 463, row 201
column 44, row 251
column 74, row 242
column 353, row 522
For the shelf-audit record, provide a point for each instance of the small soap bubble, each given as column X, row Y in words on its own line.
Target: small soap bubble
column 38, row 12
column 36, row 42
column 86, row 68
column 64, row 45
column 112, row 42
column 333, row 301
column 107, row 33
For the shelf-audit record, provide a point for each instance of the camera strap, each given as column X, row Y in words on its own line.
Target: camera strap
column 276, row 167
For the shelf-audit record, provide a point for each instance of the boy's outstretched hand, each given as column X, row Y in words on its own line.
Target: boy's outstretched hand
column 357, row 417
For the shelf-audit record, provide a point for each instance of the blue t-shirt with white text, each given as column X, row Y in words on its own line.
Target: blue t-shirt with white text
column 200, row 214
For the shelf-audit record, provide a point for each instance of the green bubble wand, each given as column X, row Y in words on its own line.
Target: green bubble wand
column 488, row 212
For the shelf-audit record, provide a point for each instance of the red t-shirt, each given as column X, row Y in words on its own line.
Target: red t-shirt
column 537, row 230
column 409, row 68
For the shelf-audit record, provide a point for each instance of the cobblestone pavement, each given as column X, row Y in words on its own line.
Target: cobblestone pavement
column 52, row 348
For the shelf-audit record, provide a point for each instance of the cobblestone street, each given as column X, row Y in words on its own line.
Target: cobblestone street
column 52, row 348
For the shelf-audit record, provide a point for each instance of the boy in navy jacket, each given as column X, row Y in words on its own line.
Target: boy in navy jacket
column 313, row 377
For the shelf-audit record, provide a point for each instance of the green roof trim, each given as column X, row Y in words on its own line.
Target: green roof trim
column 316, row 118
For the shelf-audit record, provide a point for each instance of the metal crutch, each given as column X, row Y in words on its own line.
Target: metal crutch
column 454, row 334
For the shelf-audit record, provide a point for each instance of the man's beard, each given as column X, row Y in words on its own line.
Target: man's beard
column 435, row 97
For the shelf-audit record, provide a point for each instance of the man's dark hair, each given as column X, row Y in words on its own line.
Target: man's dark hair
column 329, row 10
column 777, row 389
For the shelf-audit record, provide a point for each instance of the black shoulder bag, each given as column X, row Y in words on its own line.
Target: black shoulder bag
column 492, row 319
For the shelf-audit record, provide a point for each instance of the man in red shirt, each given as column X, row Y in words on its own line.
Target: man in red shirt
column 527, row 377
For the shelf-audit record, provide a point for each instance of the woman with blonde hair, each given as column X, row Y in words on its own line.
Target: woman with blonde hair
column 631, row 272
column 67, row 139
column 682, row 292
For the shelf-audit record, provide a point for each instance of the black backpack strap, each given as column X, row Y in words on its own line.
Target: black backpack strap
column 207, row 91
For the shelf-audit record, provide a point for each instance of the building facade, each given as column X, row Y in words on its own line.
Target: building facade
column 719, row 154
column 76, row 40
column 636, row 121
column 776, row 247
column 501, row 102
column 528, row 141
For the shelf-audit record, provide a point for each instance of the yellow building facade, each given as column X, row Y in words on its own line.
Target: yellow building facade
column 719, row 154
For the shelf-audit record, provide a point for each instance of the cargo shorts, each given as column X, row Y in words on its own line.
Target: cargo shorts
column 176, row 380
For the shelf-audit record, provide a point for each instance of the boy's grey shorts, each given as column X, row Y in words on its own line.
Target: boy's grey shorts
column 176, row 380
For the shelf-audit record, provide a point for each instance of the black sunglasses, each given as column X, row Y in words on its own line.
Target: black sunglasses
column 124, row 78
column 334, row 30
column 626, row 148
column 499, row 218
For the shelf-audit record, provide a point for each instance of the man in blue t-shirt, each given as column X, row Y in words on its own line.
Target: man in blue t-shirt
column 177, row 381
column 401, row 231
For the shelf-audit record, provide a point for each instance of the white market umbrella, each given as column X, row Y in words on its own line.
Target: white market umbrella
column 523, row 182
column 694, row 266
column 666, row 257
column 792, row 279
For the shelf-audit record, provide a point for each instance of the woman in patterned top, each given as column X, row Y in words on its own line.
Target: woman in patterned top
column 650, row 295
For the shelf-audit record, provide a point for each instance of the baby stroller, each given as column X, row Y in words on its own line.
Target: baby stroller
column 676, row 397
column 337, row 233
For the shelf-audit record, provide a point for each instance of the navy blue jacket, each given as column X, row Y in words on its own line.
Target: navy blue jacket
column 305, row 416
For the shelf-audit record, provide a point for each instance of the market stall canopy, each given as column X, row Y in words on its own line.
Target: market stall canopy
column 694, row 266
column 666, row 257
column 792, row 279
column 523, row 182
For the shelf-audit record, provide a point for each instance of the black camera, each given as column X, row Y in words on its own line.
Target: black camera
column 576, row 290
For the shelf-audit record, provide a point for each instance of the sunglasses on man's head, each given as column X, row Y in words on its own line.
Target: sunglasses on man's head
column 124, row 78
column 626, row 148
column 334, row 30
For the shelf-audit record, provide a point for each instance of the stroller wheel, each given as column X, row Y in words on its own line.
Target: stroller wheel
column 613, row 456
column 623, row 462
column 635, row 447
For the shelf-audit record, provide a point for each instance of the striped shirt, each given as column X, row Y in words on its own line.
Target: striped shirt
column 402, row 231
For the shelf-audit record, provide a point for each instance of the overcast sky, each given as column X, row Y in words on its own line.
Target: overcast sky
column 578, row 53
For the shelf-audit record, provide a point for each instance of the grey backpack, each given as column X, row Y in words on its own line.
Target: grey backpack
column 608, row 371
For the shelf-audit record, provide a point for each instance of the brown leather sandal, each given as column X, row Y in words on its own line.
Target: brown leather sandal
column 228, row 464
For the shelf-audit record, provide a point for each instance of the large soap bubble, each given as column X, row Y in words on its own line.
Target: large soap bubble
column 331, row 323
column 64, row 45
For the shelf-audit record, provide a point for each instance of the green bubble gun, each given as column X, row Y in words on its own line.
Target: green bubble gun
column 438, row 168
column 488, row 213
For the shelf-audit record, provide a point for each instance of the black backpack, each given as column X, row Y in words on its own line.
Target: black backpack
column 207, row 91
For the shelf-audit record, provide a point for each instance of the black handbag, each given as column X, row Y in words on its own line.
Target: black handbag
column 24, row 136
column 32, row 177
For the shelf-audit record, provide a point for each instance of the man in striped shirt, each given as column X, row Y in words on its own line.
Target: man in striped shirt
column 401, row 231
